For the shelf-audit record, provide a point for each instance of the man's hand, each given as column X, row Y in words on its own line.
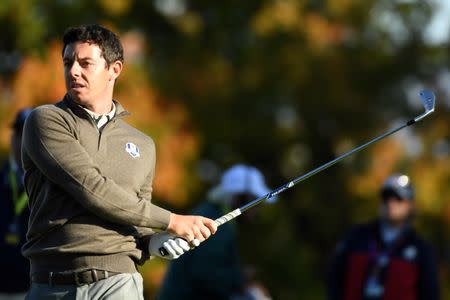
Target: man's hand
column 174, row 246
column 191, row 228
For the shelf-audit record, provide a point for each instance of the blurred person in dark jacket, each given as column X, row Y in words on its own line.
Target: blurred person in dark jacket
column 385, row 259
column 214, row 270
column 14, row 213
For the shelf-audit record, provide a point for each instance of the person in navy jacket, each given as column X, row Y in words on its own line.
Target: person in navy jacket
column 385, row 259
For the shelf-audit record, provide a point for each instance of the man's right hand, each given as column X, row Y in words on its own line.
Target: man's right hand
column 191, row 227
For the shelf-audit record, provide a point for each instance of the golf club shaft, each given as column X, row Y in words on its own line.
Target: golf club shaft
column 428, row 100
column 231, row 215
column 235, row 213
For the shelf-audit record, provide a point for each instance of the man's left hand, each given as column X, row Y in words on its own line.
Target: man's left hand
column 174, row 246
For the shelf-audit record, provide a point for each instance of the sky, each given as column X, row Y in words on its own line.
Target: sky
column 438, row 31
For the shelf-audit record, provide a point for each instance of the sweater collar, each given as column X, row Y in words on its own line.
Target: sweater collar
column 120, row 111
column 94, row 115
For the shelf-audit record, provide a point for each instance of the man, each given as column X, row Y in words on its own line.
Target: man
column 385, row 259
column 14, row 215
column 214, row 271
column 89, row 177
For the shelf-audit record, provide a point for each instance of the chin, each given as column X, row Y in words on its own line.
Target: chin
column 78, row 98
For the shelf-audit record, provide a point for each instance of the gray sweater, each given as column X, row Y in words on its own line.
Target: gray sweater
column 89, row 191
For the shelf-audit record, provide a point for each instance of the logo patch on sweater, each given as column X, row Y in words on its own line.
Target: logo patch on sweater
column 133, row 150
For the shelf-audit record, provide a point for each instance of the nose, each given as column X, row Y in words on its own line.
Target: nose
column 74, row 70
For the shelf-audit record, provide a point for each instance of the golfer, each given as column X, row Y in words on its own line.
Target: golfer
column 88, row 175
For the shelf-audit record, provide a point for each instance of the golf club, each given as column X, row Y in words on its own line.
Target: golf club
column 428, row 100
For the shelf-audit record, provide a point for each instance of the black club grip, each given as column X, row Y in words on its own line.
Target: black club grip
column 163, row 251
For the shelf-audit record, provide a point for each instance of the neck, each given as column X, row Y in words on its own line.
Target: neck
column 395, row 224
column 101, row 107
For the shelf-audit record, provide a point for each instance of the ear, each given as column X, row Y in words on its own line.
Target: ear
column 115, row 69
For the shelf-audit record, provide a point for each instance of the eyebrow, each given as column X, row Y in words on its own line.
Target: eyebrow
column 80, row 59
column 86, row 58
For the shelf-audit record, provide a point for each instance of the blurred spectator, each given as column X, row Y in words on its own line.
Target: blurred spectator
column 385, row 259
column 214, row 271
column 14, row 213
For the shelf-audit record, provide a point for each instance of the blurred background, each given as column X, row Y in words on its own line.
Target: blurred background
column 284, row 85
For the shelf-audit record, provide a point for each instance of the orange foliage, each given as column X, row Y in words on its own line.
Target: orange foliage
column 341, row 7
column 447, row 212
column 384, row 158
column 189, row 23
column 153, row 274
column 321, row 32
column 289, row 16
column 116, row 7
column 214, row 75
column 430, row 189
column 174, row 149
column 40, row 80
column 278, row 15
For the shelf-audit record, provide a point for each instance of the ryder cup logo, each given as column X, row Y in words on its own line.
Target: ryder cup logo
column 133, row 150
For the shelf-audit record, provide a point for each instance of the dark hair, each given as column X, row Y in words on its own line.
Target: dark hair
column 107, row 40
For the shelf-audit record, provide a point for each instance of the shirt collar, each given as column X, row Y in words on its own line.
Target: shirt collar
column 94, row 115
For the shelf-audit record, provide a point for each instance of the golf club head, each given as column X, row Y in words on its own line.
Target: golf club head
column 428, row 100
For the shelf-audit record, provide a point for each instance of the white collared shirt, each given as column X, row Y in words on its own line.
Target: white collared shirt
column 101, row 120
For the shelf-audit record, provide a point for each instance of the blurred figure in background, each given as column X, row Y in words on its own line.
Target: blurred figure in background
column 214, row 270
column 14, row 213
column 385, row 259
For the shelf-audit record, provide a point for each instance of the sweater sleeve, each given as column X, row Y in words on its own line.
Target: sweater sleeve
column 144, row 233
column 51, row 144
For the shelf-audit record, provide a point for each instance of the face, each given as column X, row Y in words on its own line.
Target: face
column 396, row 210
column 88, row 78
